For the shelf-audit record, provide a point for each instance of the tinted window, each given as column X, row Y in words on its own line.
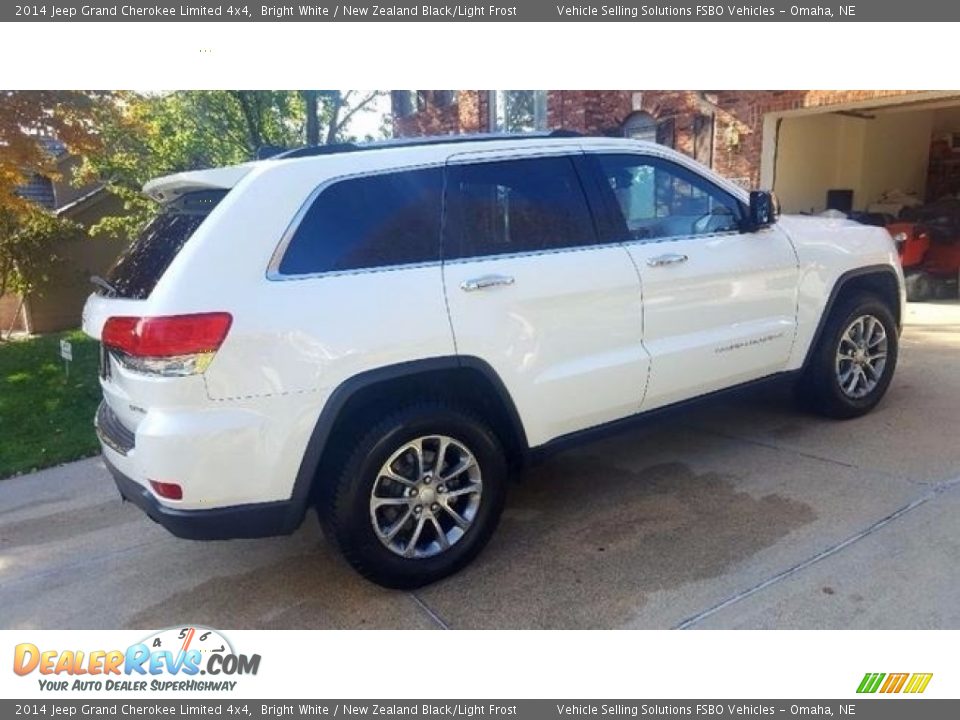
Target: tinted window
column 137, row 271
column 658, row 199
column 516, row 206
column 368, row 222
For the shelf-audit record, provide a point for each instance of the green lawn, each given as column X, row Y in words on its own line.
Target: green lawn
column 45, row 418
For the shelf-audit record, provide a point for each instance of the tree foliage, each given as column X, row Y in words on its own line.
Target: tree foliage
column 28, row 239
column 27, row 117
column 173, row 132
column 28, row 120
column 127, row 138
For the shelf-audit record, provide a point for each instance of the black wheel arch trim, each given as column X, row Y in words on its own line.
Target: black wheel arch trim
column 316, row 445
column 835, row 293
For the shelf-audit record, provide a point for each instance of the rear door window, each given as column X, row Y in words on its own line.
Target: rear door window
column 137, row 271
column 514, row 206
column 369, row 222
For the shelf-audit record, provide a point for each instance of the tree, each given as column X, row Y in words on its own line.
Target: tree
column 27, row 238
column 342, row 109
column 27, row 118
column 160, row 134
column 29, row 121
column 310, row 98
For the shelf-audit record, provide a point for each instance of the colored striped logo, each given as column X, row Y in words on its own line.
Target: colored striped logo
column 894, row 682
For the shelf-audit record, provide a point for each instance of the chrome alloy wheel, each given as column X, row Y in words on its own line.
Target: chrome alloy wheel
column 426, row 496
column 861, row 356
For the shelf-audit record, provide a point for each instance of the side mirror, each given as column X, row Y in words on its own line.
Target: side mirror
column 764, row 210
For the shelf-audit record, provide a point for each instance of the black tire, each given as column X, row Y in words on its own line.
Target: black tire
column 920, row 286
column 344, row 506
column 820, row 389
column 945, row 289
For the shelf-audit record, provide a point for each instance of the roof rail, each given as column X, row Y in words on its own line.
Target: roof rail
column 348, row 147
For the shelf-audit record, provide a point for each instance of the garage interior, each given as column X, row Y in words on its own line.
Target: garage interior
column 913, row 148
column 896, row 165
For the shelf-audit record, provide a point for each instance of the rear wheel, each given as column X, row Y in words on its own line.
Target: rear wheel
column 418, row 497
column 853, row 363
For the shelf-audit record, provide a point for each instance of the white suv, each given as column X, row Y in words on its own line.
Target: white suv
column 384, row 332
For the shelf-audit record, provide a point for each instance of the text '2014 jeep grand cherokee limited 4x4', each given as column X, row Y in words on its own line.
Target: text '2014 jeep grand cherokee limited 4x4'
column 382, row 332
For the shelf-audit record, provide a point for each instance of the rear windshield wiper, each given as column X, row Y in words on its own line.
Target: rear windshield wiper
column 104, row 285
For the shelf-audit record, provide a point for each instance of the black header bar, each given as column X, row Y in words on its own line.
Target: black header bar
column 516, row 11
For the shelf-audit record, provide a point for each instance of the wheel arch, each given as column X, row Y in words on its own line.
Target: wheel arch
column 463, row 378
column 880, row 280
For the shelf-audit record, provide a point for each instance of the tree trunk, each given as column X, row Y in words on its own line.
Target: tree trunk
column 335, row 118
column 16, row 316
column 313, row 125
column 250, row 117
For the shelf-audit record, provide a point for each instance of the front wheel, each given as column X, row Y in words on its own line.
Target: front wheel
column 419, row 496
column 853, row 362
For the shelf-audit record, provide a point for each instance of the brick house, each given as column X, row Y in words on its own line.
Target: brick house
column 801, row 143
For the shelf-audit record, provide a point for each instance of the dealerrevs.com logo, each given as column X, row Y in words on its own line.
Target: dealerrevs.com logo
column 181, row 659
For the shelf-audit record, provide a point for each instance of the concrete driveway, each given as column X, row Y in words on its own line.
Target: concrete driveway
column 739, row 513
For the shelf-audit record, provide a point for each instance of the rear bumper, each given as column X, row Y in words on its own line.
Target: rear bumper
column 224, row 523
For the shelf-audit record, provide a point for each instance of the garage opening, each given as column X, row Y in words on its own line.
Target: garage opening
column 871, row 152
column 897, row 166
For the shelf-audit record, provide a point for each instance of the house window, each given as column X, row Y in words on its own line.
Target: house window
column 640, row 126
column 703, row 139
column 667, row 133
column 516, row 111
column 39, row 190
column 643, row 126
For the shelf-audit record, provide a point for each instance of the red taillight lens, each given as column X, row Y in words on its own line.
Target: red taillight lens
column 166, row 336
column 168, row 490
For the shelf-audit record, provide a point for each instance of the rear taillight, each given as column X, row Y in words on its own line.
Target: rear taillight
column 174, row 345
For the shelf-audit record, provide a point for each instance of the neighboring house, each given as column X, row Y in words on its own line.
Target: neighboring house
column 57, row 303
column 801, row 143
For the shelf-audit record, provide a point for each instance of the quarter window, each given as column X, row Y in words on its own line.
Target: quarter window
column 515, row 206
column 658, row 199
column 369, row 222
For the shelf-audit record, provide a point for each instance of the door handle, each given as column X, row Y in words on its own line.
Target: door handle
column 668, row 259
column 487, row 281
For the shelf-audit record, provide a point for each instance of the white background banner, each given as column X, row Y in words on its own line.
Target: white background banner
column 529, row 665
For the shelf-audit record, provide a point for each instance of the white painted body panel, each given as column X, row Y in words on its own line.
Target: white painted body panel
column 725, row 316
column 565, row 337
column 577, row 340
column 828, row 248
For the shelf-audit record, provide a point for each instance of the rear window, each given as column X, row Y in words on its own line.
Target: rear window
column 138, row 270
column 369, row 222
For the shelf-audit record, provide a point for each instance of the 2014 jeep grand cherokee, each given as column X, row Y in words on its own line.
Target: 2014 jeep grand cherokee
column 382, row 332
